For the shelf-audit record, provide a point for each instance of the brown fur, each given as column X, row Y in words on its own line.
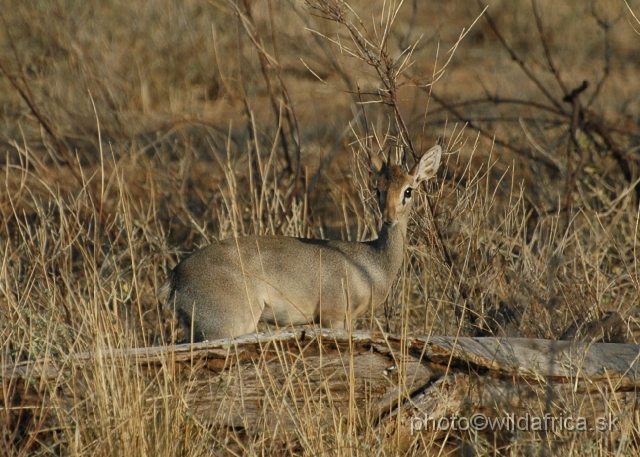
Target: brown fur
column 225, row 289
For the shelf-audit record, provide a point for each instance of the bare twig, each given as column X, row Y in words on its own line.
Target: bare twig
column 245, row 18
column 452, row 108
column 544, row 40
column 606, row 70
column 520, row 61
column 387, row 69
column 24, row 91
column 572, row 98
column 21, row 86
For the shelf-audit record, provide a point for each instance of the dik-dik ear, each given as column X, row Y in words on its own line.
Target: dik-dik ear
column 375, row 163
column 427, row 166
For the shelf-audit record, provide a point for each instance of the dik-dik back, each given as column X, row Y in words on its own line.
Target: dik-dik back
column 226, row 288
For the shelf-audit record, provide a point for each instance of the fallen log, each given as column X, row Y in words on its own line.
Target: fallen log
column 276, row 383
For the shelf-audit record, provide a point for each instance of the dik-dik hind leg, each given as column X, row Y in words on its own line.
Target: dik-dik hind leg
column 333, row 313
column 213, row 316
column 336, row 324
column 329, row 318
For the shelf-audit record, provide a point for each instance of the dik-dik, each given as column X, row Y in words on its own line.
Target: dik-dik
column 224, row 289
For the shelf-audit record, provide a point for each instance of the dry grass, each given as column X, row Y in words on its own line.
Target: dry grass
column 135, row 132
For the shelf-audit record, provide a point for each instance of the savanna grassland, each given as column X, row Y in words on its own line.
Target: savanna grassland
column 133, row 132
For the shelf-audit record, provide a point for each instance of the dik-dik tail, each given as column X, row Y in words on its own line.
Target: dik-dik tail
column 165, row 293
column 167, row 296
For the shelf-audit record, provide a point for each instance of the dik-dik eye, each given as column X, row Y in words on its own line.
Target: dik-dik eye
column 407, row 192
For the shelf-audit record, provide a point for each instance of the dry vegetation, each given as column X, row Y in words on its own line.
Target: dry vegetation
column 134, row 132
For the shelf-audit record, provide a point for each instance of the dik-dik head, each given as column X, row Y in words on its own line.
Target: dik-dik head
column 395, row 187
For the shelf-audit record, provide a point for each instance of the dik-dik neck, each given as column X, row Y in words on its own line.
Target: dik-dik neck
column 390, row 246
